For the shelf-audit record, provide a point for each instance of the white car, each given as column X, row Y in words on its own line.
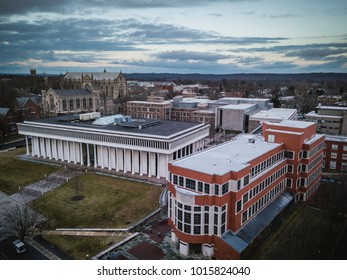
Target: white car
column 19, row 246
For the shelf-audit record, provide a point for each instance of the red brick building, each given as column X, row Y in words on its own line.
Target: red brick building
column 335, row 153
column 28, row 108
column 154, row 108
column 221, row 199
column 8, row 120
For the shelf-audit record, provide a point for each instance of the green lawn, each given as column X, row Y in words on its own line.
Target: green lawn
column 15, row 173
column 108, row 202
column 82, row 247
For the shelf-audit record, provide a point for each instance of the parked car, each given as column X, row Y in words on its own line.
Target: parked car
column 19, row 246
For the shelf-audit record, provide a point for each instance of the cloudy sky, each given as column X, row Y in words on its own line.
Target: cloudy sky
column 173, row 36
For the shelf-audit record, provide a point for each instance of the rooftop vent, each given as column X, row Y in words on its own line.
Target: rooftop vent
column 89, row 116
column 251, row 141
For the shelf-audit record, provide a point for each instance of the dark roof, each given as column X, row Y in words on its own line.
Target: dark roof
column 3, row 111
column 94, row 75
column 23, row 100
column 72, row 92
column 257, row 224
column 160, row 128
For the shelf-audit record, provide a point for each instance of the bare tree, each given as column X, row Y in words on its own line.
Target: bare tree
column 20, row 221
column 78, row 187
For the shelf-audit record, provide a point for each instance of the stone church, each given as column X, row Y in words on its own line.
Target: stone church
column 104, row 90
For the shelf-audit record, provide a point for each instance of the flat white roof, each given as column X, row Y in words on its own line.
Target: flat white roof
column 336, row 138
column 245, row 99
column 315, row 115
column 275, row 113
column 242, row 106
column 233, row 155
column 284, row 131
column 332, row 108
column 150, row 102
column 291, row 123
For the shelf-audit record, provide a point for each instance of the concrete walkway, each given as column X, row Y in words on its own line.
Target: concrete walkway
column 86, row 233
column 38, row 189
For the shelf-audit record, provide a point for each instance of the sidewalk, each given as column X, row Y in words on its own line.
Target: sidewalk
column 49, row 254
column 38, row 189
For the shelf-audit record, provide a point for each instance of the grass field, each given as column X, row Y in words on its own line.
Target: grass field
column 15, row 173
column 82, row 247
column 107, row 203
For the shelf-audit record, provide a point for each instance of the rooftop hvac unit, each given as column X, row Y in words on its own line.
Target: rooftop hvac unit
column 89, row 116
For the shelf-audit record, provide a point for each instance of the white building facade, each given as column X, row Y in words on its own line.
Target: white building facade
column 136, row 149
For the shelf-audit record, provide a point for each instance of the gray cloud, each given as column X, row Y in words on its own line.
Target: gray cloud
column 190, row 56
column 316, row 53
column 88, row 40
column 21, row 7
column 279, row 16
column 305, row 52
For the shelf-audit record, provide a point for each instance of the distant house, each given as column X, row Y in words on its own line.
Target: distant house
column 8, row 120
column 28, row 108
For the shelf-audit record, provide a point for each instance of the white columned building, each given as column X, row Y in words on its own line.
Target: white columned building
column 143, row 147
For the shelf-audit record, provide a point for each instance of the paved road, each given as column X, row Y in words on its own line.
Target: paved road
column 8, row 252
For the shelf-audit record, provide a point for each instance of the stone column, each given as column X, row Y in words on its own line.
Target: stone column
column 95, row 157
column 88, row 155
column 27, row 145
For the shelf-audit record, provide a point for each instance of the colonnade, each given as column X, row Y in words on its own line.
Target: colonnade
column 106, row 157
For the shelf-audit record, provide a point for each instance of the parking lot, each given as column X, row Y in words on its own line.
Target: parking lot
column 8, row 251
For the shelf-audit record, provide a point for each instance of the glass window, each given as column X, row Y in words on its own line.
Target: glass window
column 207, row 216
column 200, row 186
column 290, row 168
column 207, row 188
column 216, row 189
column 187, row 217
column 64, row 105
column 225, row 188
column 289, row 154
column 187, row 207
column 246, row 180
column 175, row 179
column 332, row 164
column 181, row 181
column 197, row 219
column 334, row 147
column 244, row 216
column 71, row 104
column 238, row 206
column 197, row 229
column 187, row 228
column 190, row 184
column 245, row 198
